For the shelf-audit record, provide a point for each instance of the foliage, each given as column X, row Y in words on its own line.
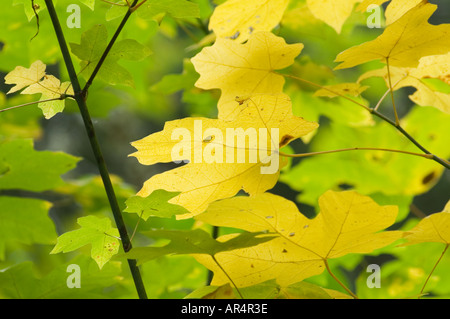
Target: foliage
column 347, row 169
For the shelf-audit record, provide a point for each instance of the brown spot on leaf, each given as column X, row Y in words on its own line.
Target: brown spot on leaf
column 285, row 140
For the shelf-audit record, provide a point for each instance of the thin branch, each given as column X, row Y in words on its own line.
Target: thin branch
column 215, row 234
column 135, row 227
column 386, row 93
column 134, row 7
column 432, row 270
column 416, row 211
column 226, row 274
column 427, row 156
column 34, row 7
column 31, row 103
column 338, row 281
column 108, row 49
column 81, row 101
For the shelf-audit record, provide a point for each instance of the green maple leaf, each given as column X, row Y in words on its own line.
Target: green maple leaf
column 195, row 241
column 94, row 231
column 21, row 167
column 29, row 12
column 92, row 45
column 20, row 281
column 155, row 204
column 158, row 9
column 89, row 3
column 26, row 221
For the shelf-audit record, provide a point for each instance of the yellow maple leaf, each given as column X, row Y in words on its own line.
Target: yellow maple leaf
column 237, row 19
column 436, row 66
column 23, row 77
column 50, row 88
column 403, row 42
column 434, row 228
column 347, row 223
column 36, row 81
column 224, row 156
column 244, row 69
column 332, row 12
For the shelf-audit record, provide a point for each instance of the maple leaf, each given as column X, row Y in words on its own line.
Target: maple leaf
column 237, row 19
column 267, row 290
column 94, row 231
column 218, row 167
column 92, row 45
column 89, row 3
column 434, row 228
column 50, row 88
column 25, row 220
column 36, row 81
column 435, row 66
column 29, row 11
column 156, row 204
column 244, row 69
column 347, row 223
column 23, row 77
column 333, row 13
column 403, row 42
column 157, row 9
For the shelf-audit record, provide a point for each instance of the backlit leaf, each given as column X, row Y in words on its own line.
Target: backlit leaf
column 155, row 204
column 218, row 165
column 94, row 231
column 434, row 228
column 92, row 45
column 237, row 20
column 244, row 69
column 403, row 42
column 23, row 77
column 195, row 241
column 435, row 66
column 25, row 221
column 24, row 168
column 347, row 223
column 333, row 13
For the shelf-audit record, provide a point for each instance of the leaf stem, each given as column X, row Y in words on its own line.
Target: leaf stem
column 397, row 121
column 81, row 101
column 428, row 156
column 324, row 88
column 229, row 278
column 435, row 158
column 338, row 281
column 432, row 270
column 215, row 234
column 108, row 49
column 34, row 102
